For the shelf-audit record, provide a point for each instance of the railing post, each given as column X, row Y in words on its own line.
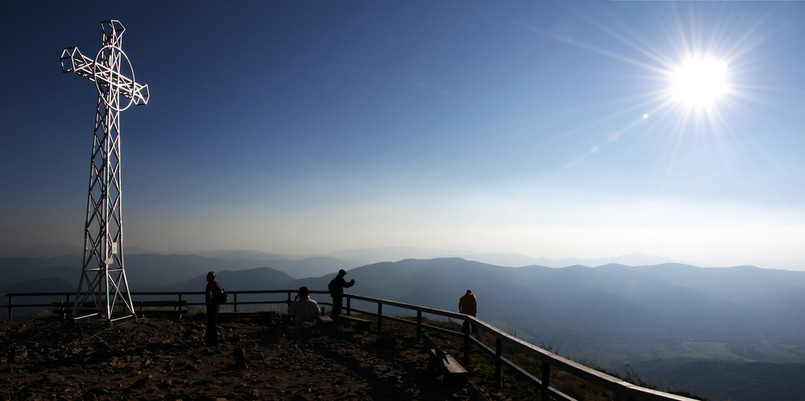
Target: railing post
column 9, row 307
column 235, row 306
column 349, row 307
column 379, row 316
column 64, row 306
column 418, row 325
column 498, row 354
column 466, row 329
column 546, row 380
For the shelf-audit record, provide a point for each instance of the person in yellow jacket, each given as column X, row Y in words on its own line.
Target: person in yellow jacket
column 468, row 305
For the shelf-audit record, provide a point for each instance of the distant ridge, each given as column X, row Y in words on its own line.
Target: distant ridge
column 162, row 270
column 633, row 259
column 365, row 256
column 393, row 254
column 10, row 250
column 40, row 285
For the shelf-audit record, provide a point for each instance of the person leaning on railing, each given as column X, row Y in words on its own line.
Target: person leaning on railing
column 336, row 288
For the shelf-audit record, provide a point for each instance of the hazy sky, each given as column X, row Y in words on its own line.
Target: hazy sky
column 550, row 129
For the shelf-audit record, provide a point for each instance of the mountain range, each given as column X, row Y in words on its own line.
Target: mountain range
column 356, row 257
column 662, row 320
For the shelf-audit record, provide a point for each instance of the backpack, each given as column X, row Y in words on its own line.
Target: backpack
column 219, row 295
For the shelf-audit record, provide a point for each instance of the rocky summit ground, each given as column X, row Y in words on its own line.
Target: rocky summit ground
column 258, row 358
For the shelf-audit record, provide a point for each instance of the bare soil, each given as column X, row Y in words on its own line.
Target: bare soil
column 258, row 358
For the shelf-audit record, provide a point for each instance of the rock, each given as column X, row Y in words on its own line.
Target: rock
column 142, row 382
column 241, row 362
column 55, row 378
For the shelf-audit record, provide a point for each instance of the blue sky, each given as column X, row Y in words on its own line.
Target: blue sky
column 542, row 128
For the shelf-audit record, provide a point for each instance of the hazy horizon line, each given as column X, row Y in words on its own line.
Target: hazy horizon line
column 397, row 253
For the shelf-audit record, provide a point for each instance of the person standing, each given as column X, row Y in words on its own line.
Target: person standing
column 468, row 305
column 212, row 299
column 336, row 288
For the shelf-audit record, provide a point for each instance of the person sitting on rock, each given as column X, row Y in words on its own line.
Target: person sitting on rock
column 304, row 310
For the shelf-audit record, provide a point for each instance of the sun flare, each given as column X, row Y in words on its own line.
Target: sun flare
column 699, row 83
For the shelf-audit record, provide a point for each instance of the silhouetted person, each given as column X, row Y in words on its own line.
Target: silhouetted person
column 303, row 309
column 212, row 299
column 468, row 305
column 336, row 288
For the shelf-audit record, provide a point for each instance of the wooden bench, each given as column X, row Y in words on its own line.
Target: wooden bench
column 454, row 373
column 265, row 317
column 65, row 309
column 361, row 324
column 176, row 307
column 324, row 321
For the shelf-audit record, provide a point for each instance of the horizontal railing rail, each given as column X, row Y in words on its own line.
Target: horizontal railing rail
column 51, row 299
column 374, row 307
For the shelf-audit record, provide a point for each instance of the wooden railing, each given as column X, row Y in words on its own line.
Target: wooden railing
column 49, row 300
column 375, row 307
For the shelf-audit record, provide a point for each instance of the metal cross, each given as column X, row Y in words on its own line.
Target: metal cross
column 103, row 289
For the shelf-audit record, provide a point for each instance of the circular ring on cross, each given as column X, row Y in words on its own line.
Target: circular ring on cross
column 106, row 72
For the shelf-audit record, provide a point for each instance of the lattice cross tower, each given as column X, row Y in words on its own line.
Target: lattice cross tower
column 103, row 289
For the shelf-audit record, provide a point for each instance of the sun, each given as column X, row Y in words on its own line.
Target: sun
column 699, row 82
